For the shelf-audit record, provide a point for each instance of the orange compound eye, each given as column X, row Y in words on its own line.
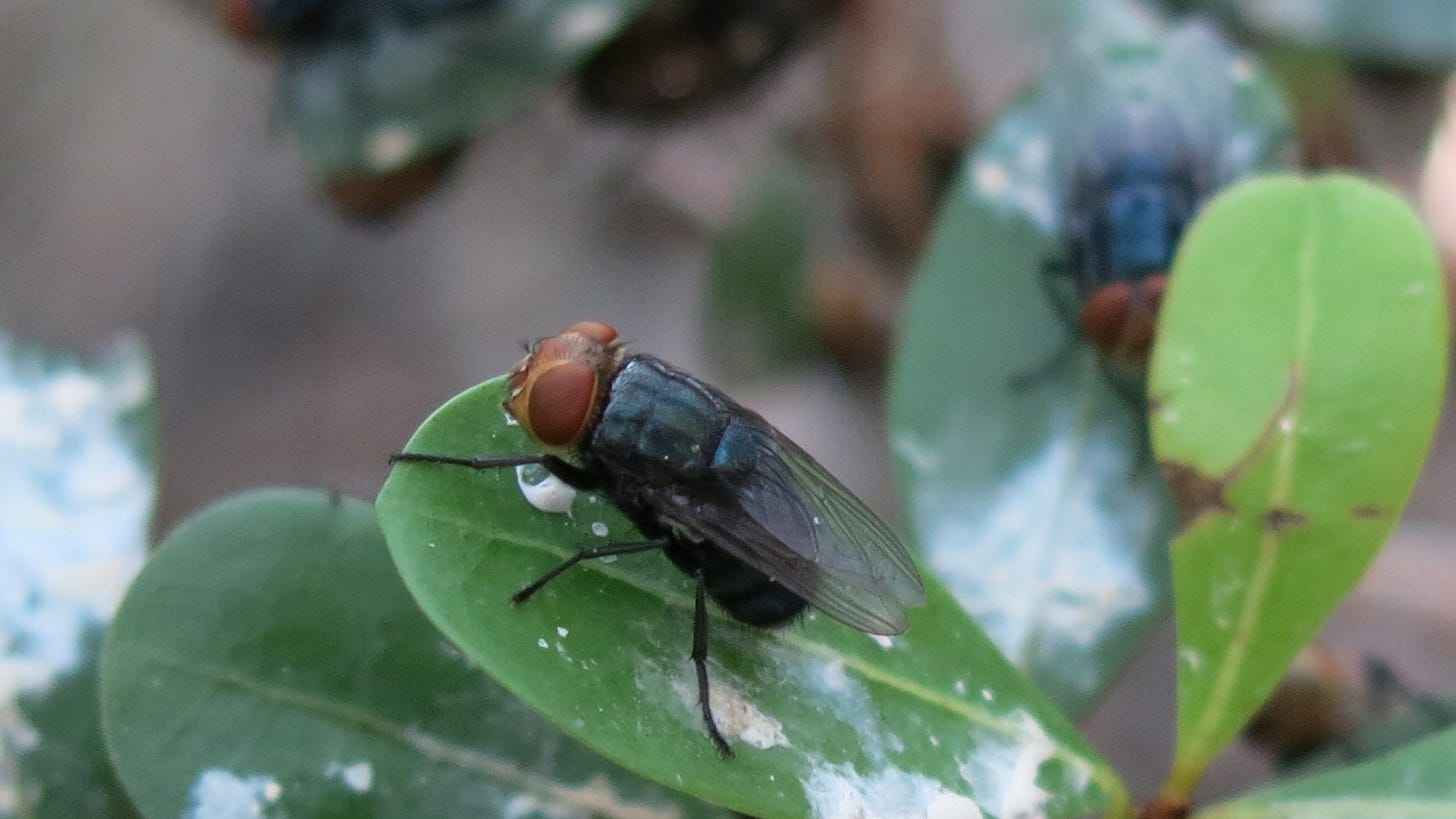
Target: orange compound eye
column 597, row 331
column 1121, row 319
column 559, row 402
column 1105, row 314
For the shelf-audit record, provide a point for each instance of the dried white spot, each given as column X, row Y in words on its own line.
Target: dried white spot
column 541, row 643
column 918, row 455
column 358, row 777
column 391, row 146
column 1003, row 771
column 840, row 792
column 834, row 678
column 960, row 687
column 1286, row 424
column 1190, row 658
column 737, row 717
column 1242, row 70
column 988, row 695
column 75, row 497
column 544, row 490
column 883, row 641
column 599, row 529
column 584, row 25
column 562, row 632
column 992, row 178
column 219, row 794
column 511, row 419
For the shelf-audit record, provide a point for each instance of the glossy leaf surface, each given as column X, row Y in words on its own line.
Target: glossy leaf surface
column 1298, row 373
column 1023, row 468
column 268, row 662
column 826, row 721
column 77, row 483
column 376, row 103
column 1412, row 783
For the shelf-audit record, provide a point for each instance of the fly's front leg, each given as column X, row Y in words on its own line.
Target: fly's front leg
column 569, row 473
column 700, row 662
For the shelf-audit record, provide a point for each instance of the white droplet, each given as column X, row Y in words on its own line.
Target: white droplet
column 562, row 632
column 541, row 643
column 599, row 529
column 544, row 490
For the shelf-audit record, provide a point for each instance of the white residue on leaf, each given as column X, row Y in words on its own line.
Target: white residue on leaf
column 562, row 631
column 883, row 640
column 219, row 794
column 357, row 777
column 544, row 490
column 840, row 792
column 920, row 456
column 583, row 25
column 594, row 798
column 75, row 496
column 599, row 529
column 1003, row 771
column 737, row 717
column 391, row 146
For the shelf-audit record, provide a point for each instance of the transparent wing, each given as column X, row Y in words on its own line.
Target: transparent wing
column 771, row 505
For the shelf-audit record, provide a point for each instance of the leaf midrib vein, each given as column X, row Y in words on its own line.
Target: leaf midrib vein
column 962, row 708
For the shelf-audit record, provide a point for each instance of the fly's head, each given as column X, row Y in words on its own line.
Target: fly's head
column 559, row 389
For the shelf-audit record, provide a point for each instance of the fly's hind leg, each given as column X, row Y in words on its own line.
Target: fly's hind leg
column 700, row 662
column 609, row 550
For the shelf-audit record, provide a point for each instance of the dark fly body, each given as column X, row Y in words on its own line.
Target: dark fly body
column 762, row 528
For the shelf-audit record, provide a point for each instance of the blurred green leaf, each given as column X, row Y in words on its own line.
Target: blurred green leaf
column 268, row 662
column 1025, row 472
column 826, row 721
column 1412, row 783
column 1298, row 373
column 373, row 105
column 1415, row 33
column 77, row 483
column 758, row 309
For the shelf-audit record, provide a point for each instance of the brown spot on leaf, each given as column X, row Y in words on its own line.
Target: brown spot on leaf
column 1197, row 493
column 1367, row 513
column 1277, row 520
column 1194, row 492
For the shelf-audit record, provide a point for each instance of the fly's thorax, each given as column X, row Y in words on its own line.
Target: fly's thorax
column 559, row 390
column 659, row 421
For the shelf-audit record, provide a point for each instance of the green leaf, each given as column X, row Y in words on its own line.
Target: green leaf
column 1025, row 473
column 77, row 483
column 1415, row 33
column 758, row 295
column 268, row 662
column 1299, row 371
column 1412, row 783
column 378, row 103
column 826, row 721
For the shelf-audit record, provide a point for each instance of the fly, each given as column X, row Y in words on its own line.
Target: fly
column 758, row 524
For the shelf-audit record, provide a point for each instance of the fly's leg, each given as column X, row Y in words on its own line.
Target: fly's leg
column 571, row 474
column 700, row 662
column 587, row 554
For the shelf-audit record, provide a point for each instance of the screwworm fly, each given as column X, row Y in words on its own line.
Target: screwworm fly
column 758, row 524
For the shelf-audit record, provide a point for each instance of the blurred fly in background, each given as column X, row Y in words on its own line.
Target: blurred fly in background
column 1143, row 134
